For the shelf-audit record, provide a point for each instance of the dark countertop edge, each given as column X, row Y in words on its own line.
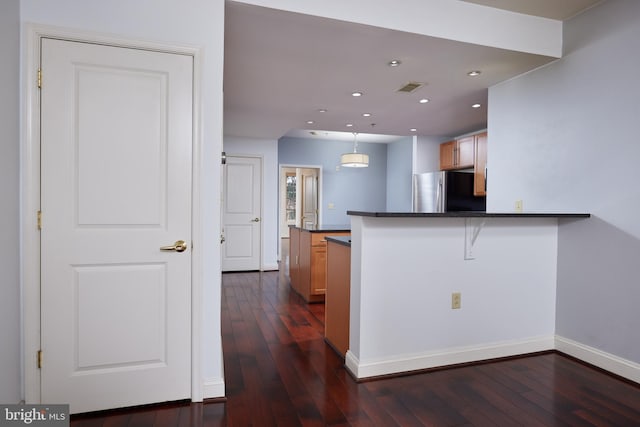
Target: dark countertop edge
column 325, row 228
column 468, row 214
column 340, row 240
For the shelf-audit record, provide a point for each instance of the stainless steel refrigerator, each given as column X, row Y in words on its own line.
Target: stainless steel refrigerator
column 445, row 191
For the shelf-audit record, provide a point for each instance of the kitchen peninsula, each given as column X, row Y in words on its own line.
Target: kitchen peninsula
column 308, row 259
column 407, row 267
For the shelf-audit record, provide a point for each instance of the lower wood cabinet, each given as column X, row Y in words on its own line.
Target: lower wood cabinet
column 308, row 262
column 337, row 299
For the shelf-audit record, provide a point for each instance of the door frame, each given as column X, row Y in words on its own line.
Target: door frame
column 281, row 167
column 30, row 195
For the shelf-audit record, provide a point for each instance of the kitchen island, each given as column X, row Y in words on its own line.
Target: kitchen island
column 308, row 259
column 406, row 269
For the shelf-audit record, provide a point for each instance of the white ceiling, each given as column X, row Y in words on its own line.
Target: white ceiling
column 282, row 67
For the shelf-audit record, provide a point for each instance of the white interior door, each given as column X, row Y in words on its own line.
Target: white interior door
column 241, row 217
column 309, row 198
column 116, row 136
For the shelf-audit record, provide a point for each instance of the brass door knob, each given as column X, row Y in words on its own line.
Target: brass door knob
column 178, row 246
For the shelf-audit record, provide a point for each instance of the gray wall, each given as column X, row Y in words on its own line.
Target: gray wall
column 399, row 175
column 347, row 188
column 10, row 345
column 565, row 138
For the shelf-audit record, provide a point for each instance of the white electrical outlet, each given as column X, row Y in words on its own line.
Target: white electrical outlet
column 518, row 206
column 456, row 300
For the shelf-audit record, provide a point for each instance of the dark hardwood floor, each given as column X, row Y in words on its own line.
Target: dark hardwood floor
column 280, row 372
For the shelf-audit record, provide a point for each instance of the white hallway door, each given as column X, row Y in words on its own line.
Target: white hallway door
column 241, row 215
column 116, row 149
column 309, row 217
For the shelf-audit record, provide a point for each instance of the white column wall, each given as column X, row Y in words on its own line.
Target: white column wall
column 10, row 366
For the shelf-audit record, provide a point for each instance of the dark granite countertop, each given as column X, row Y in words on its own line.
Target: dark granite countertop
column 325, row 228
column 467, row 214
column 341, row 240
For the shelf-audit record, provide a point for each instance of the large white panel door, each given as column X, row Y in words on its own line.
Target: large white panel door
column 241, row 201
column 116, row 133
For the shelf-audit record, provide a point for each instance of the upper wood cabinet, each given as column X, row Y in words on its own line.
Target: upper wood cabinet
column 447, row 155
column 457, row 154
column 465, row 153
column 480, row 165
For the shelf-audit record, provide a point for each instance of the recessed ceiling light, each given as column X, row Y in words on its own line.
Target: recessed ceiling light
column 413, row 130
column 356, row 94
column 394, row 63
column 366, row 114
column 474, row 73
column 476, row 106
column 349, row 125
column 309, row 122
column 423, row 101
column 322, row 110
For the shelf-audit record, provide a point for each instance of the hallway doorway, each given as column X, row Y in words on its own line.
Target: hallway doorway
column 300, row 200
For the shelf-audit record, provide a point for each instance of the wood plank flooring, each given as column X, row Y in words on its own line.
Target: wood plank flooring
column 280, row 372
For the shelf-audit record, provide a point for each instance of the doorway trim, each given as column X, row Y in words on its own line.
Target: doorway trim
column 31, row 191
column 282, row 166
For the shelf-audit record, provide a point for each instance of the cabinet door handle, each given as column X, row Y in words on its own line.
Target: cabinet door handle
column 485, row 179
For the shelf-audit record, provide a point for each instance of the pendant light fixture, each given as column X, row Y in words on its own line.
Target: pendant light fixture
column 355, row 159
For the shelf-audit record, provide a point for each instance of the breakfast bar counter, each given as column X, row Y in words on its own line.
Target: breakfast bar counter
column 438, row 289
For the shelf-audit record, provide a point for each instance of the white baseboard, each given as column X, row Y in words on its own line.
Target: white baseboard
column 213, row 388
column 607, row 361
column 270, row 267
column 446, row 357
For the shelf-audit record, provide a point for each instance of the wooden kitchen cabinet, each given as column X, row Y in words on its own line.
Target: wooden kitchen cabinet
column 457, row 154
column 319, row 270
column 294, row 255
column 337, row 301
column 447, row 155
column 480, row 165
column 465, row 153
column 308, row 262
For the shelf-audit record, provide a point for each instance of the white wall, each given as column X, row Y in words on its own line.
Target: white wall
column 200, row 24
column 399, row 176
column 565, row 138
column 428, row 154
column 10, row 366
column 268, row 150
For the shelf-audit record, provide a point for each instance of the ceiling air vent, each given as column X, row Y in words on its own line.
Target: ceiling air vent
column 410, row 87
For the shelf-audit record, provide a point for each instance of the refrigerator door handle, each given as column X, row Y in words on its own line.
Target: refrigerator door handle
column 440, row 197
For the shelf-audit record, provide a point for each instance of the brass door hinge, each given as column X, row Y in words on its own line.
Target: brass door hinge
column 39, row 220
column 39, row 359
column 39, row 78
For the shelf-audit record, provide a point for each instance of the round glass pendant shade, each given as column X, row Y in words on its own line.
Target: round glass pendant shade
column 354, row 160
